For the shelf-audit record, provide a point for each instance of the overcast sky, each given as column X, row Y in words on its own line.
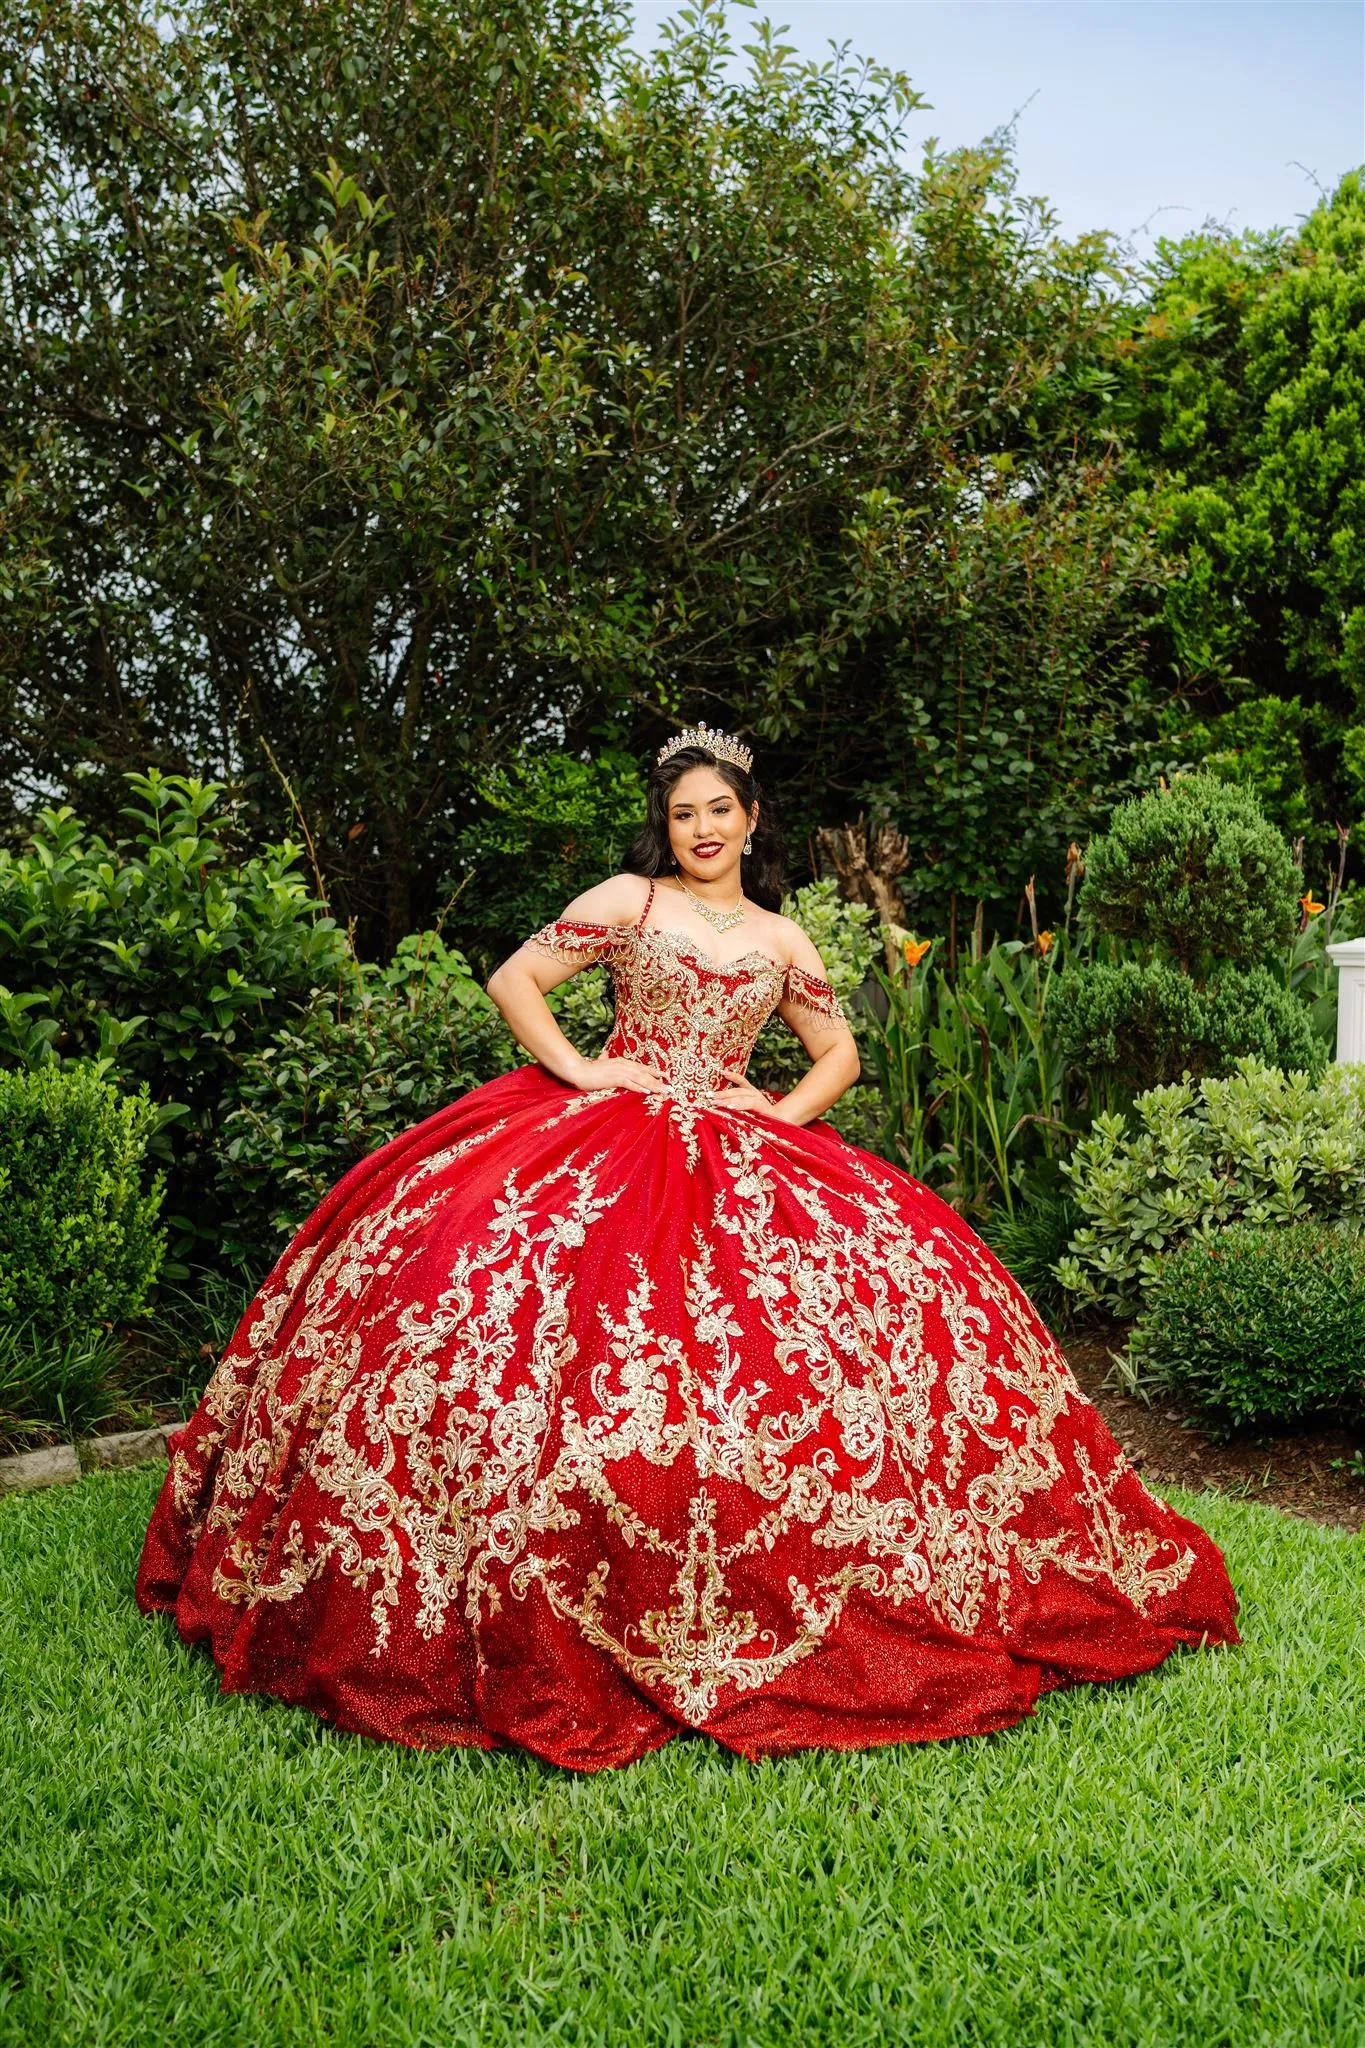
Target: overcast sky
column 1144, row 116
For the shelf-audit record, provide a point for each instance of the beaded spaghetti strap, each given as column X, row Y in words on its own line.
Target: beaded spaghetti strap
column 640, row 920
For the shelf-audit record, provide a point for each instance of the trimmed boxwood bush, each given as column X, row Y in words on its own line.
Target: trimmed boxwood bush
column 1196, row 870
column 80, row 1244
column 1260, row 1324
column 1201, row 887
column 1146, row 1024
column 167, row 953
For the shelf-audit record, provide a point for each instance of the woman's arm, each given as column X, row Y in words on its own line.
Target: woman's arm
column 834, row 1067
column 520, row 985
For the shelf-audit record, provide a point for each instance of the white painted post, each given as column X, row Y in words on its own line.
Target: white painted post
column 1349, row 960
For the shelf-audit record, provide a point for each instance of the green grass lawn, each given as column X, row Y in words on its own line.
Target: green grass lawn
column 1180, row 1858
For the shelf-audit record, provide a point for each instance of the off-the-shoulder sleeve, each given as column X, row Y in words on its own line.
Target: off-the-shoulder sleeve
column 803, row 990
column 582, row 943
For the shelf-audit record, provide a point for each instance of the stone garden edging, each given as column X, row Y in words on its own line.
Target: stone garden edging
column 61, row 1464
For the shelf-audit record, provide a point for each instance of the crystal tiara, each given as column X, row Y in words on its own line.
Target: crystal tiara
column 722, row 744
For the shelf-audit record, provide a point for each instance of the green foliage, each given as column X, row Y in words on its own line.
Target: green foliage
column 1353, row 772
column 79, row 1240
column 1202, row 886
column 1145, row 1024
column 1196, row 871
column 520, row 384
column 1030, row 1242
column 975, row 1094
column 355, row 1068
column 1261, row 744
column 553, row 825
column 163, row 956
column 1259, row 1325
column 1019, row 689
column 1257, row 1146
column 60, row 1384
column 1249, row 415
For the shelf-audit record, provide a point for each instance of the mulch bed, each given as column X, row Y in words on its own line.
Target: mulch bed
column 1306, row 1472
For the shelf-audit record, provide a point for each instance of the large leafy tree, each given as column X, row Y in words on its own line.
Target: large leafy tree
column 396, row 387
column 1248, row 382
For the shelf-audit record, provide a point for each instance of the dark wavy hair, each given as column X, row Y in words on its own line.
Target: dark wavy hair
column 762, row 872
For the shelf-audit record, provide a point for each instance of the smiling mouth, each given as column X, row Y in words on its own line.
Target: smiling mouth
column 707, row 848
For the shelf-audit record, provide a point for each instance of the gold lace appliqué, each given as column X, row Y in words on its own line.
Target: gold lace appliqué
column 464, row 1437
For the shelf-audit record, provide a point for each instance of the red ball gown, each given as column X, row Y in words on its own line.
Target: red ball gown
column 572, row 1420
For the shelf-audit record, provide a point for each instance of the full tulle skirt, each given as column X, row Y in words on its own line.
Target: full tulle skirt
column 574, row 1420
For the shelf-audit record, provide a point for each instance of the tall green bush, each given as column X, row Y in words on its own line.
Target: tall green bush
column 1197, row 882
column 80, row 1243
column 1196, row 871
column 1257, row 1146
column 1135, row 1021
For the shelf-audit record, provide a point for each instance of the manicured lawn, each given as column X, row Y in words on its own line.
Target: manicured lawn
column 1177, row 1859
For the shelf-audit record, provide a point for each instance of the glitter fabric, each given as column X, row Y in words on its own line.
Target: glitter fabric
column 571, row 1420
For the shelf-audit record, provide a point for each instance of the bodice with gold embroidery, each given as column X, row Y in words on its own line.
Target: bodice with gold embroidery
column 691, row 1018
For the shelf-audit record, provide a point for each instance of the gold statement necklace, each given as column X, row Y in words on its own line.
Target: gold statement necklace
column 720, row 920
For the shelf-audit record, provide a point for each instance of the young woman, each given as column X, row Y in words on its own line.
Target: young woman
column 621, row 1397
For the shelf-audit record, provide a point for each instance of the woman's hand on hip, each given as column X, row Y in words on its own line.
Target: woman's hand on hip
column 734, row 1092
column 594, row 1075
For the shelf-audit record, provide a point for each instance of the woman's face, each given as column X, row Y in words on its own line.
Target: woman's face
column 706, row 826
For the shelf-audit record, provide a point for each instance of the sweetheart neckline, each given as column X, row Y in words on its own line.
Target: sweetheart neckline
column 673, row 936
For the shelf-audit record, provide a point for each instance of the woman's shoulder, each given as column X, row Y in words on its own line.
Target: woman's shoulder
column 790, row 943
column 617, row 900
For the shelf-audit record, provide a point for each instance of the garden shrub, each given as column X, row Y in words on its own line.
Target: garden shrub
column 1256, row 1146
column 1030, row 1242
column 1260, row 1325
column 1196, row 870
column 1202, row 885
column 80, row 1244
column 358, row 1065
column 1144, row 1024
column 164, row 955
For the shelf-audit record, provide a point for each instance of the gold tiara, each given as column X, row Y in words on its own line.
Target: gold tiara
column 723, row 745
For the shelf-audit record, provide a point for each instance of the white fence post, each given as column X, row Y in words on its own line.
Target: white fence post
column 1349, row 960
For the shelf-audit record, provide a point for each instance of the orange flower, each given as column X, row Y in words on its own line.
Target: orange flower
column 915, row 950
column 1044, row 942
column 1310, row 905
